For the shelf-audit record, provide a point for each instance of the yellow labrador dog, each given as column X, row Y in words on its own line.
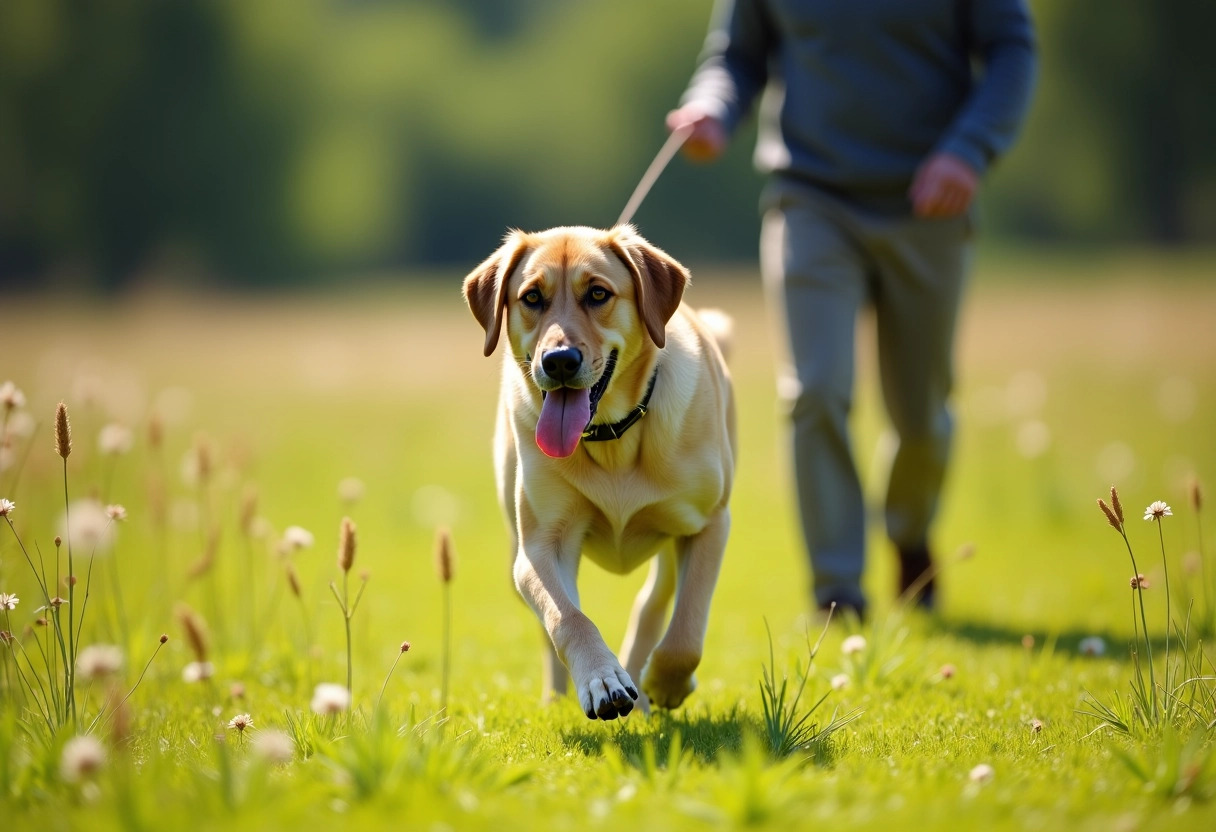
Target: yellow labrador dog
column 615, row 439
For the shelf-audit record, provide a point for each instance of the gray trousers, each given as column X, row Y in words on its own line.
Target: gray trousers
column 823, row 259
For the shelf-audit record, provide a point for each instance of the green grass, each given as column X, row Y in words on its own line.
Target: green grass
column 1117, row 371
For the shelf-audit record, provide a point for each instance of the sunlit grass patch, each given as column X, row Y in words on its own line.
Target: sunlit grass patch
column 255, row 427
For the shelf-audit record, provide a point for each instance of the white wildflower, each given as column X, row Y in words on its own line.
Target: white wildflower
column 8, row 601
column 240, row 722
column 197, row 671
column 7, row 507
column 350, row 490
column 329, row 698
column 274, row 747
column 982, row 773
column 116, row 512
column 1092, row 646
column 87, row 527
column 1157, row 510
column 840, row 681
column 82, row 758
column 22, row 424
column 296, row 538
column 853, row 644
column 99, row 661
column 115, row 439
column 11, row 398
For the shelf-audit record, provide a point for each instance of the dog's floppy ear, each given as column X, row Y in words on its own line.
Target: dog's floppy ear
column 658, row 280
column 485, row 289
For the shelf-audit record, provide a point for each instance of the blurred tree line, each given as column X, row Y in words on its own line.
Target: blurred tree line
column 274, row 141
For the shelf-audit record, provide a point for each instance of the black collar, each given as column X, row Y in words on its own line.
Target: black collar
column 603, row 433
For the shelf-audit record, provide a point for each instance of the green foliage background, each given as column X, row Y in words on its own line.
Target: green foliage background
column 278, row 140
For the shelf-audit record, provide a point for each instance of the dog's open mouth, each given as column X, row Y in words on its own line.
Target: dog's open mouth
column 566, row 412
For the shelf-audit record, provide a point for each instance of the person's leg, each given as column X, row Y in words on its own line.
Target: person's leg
column 815, row 281
column 922, row 265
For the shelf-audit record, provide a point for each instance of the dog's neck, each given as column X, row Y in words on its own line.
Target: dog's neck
column 606, row 432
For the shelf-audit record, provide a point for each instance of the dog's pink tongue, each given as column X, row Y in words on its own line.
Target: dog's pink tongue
column 563, row 417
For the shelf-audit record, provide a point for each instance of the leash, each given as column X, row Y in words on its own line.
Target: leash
column 674, row 142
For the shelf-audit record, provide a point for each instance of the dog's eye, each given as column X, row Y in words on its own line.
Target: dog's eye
column 598, row 295
column 532, row 299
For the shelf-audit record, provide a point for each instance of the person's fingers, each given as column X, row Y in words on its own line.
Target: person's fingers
column 707, row 140
column 925, row 203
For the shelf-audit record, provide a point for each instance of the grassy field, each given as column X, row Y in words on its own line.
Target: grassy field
column 1075, row 373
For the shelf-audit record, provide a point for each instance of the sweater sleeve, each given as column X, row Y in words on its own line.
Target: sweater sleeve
column 734, row 62
column 1002, row 36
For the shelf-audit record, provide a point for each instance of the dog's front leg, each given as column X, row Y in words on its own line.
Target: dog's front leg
column 668, row 676
column 546, row 579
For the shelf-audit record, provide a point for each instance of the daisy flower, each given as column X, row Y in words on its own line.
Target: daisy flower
column 99, row 661
column 82, row 758
column 273, row 746
column 982, row 773
column 853, row 644
column 1157, row 510
column 8, row 601
column 329, row 698
column 240, row 722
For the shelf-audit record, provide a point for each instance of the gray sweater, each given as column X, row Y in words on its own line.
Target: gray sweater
column 859, row 92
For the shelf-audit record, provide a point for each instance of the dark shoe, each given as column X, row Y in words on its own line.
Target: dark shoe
column 916, row 577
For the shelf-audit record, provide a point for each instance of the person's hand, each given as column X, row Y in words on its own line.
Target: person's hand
column 708, row 138
column 943, row 186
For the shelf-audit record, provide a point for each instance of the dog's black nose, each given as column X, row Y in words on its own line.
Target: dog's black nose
column 562, row 364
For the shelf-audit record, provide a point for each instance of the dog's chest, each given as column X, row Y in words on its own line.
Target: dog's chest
column 631, row 519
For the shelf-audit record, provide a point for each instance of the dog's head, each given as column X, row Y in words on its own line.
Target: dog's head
column 576, row 302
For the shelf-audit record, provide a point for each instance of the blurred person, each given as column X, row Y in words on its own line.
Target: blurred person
column 877, row 122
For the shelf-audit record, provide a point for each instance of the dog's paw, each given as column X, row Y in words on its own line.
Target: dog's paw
column 667, row 682
column 606, row 693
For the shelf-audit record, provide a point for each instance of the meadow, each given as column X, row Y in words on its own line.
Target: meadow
column 249, row 426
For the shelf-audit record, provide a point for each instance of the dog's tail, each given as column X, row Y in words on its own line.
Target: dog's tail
column 721, row 326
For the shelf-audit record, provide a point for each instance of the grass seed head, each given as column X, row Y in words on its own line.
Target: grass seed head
column 346, row 545
column 156, row 432
column 1110, row 515
column 249, row 510
column 63, row 431
column 1140, row 582
column 202, row 457
column 1196, row 495
column 203, row 565
column 443, row 556
column 195, row 630
column 1115, row 504
column 293, row 580
column 120, row 725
